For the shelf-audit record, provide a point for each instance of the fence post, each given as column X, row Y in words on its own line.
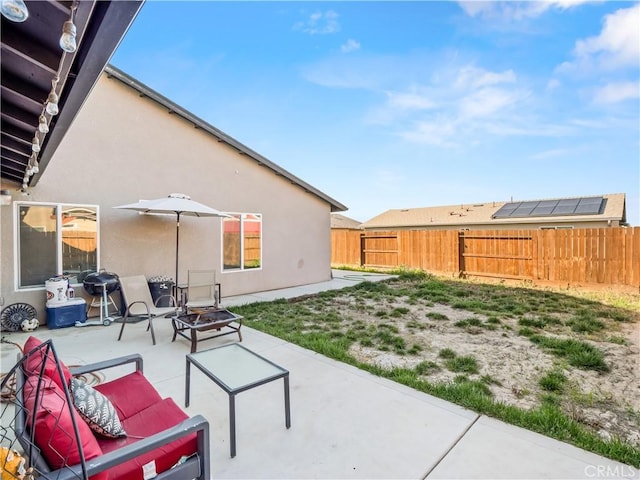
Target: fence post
column 535, row 254
column 461, row 266
column 362, row 245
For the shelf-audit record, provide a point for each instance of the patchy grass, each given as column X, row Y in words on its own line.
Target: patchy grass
column 466, row 364
column 553, row 381
column 393, row 316
column 578, row 353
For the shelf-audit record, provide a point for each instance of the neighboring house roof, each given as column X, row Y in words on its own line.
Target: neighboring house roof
column 340, row 221
column 483, row 214
column 219, row 135
column 32, row 58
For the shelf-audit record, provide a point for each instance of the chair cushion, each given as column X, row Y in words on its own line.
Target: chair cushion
column 96, row 410
column 129, row 394
column 154, row 419
column 34, row 362
column 54, row 432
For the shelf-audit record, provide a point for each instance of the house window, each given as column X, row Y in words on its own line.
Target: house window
column 242, row 241
column 55, row 239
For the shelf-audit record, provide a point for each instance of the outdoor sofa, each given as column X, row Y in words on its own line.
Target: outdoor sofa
column 71, row 441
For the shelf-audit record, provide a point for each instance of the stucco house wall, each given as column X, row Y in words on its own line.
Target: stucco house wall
column 123, row 147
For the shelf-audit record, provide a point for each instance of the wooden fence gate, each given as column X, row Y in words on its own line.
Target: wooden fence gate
column 379, row 250
column 497, row 253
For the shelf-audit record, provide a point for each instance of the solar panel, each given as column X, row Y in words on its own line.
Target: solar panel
column 591, row 200
column 522, row 211
column 568, row 202
column 506, row 210
column 549, row 208
column 542, row 210
column 564, row 210
column 510, row 207
column 592, row 206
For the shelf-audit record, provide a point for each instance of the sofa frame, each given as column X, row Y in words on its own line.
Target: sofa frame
column 195, row 467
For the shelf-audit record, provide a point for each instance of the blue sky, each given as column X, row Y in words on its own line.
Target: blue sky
column 411, row 104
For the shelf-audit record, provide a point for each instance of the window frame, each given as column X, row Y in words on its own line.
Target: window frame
column 16, row 238
column 242, row 267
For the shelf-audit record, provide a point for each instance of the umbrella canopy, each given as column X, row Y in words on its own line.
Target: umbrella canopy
column 178, row 204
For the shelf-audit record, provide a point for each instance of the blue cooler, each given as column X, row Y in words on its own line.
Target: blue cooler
column 67, row 314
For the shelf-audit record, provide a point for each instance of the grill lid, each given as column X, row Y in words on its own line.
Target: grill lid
column 95, row 282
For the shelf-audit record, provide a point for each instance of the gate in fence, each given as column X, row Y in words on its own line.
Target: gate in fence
column 501, row 254
column 379, row 250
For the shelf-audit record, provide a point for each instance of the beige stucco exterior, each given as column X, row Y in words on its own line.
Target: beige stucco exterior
column 123, row 147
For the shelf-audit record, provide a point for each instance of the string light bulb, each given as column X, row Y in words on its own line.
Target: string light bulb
column 52, row 99
column 33, row 167
column 14, row 10
column 68, row 38
column 43, row 126
column 35, row 145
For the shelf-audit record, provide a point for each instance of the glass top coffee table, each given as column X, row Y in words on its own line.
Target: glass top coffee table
column 235, row 368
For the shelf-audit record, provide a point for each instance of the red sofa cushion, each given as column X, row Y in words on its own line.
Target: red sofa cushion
column 34, row 363
column 145, row 423
column 129, row 394
column 54, row 433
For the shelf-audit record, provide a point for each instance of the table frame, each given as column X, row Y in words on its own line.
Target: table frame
column 180, row 326
column 232, row 392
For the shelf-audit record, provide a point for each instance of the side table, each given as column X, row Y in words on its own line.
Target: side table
column 235, row 368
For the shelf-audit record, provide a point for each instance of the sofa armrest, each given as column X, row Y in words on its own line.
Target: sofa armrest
column 113, row 362
column 199, row 467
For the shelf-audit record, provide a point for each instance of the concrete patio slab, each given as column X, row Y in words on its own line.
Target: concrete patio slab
column 494, row 449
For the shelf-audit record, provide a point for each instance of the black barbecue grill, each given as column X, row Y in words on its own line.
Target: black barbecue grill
column 101, row 285
column 95, row 282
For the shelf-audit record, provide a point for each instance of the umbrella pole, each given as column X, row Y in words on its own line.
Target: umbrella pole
column 177, row 245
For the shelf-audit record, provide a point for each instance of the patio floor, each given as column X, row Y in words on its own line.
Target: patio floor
column 346, row 423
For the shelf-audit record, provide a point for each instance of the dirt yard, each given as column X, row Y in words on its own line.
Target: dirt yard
column 507, row 360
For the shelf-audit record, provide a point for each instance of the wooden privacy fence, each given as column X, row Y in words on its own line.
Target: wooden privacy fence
column 591, row 255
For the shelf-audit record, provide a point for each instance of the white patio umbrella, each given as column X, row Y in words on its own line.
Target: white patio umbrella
column 179, row 204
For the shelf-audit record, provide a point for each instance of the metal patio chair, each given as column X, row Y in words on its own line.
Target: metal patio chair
column 137, row 297
column 202, row 289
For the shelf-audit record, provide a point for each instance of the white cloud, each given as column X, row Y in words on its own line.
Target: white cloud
column 617, row 92
column 486, row 102
column 554, row 153
column 436, row 133
column 617, row 45
column 514, row 10
column 461, row 102
column 350, row 46
column 319, row 23
column 604, row 68
column 472, row 77
column 553, row 84
column 409, row 101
